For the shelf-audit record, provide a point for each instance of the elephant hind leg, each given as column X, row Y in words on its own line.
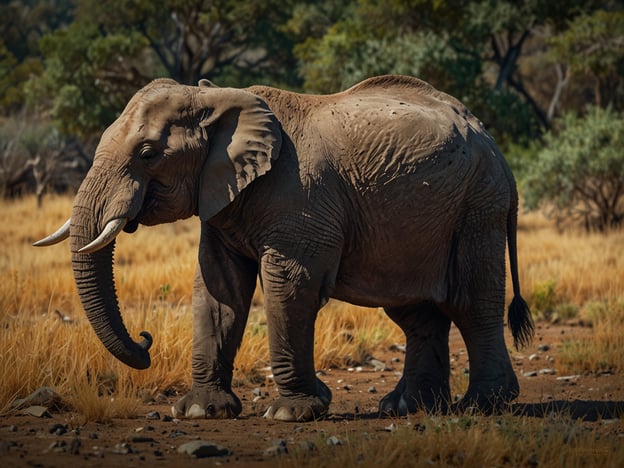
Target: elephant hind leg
column 481, row 268
column 425, row 381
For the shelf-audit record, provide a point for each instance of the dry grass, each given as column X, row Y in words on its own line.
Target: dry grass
column 603, row 350
column 580, row 273
column 471, row 441
column 581, row 267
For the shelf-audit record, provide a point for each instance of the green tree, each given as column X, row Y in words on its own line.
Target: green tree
column 88, row 77
column 22, row 24
column 592, row 50
column 471, row 50
column 579, row 175
column 113, row 48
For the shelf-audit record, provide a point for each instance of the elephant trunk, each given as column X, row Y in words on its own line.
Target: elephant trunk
column 93, row 273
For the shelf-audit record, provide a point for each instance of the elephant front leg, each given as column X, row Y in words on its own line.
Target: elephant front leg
column 425, row 380
column 219, row 320
column 292, row 303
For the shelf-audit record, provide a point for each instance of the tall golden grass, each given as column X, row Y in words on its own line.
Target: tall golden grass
column 154, row 270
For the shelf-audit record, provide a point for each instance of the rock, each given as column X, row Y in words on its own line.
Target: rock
column 530, row 374
column 141, row 439
column 377, row 364
column 203, row 449
column 333, row 440
column 543, row 347
column 59, row 446
column 534, row 357
column 58, row 429
column 391, row 428
column 43, row 396
column 398, row 347
column 123, row 449
column 567, row 378
column 74, row 446
column 547, row 371
column 153, row 415
column 37, row 411
column 278, row 447
column 372, row 390
column 420, row 427
column 307, row 446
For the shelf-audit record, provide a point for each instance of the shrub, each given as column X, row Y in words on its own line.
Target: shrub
column 579, row 175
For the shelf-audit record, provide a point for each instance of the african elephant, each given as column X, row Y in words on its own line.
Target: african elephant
column 390, row 194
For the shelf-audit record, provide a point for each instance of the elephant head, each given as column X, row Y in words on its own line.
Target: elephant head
column 175, row 151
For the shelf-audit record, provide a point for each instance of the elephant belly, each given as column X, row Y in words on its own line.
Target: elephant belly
column 389, row 279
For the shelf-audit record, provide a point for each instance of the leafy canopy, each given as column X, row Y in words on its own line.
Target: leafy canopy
column 579, row 175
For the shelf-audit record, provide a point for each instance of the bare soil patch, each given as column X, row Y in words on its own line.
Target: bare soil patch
column 153, row 438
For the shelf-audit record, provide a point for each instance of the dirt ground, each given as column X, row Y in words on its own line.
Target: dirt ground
column 154, row 438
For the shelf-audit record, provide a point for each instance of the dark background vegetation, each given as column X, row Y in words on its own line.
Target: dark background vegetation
column 545, row 76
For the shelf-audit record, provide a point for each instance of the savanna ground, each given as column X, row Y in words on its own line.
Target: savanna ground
column 572, row 376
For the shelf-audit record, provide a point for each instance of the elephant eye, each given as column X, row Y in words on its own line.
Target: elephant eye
column 147, row 152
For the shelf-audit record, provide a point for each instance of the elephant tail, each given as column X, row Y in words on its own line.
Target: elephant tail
column 519, row 315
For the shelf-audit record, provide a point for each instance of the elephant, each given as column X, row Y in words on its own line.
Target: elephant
column 390, row 194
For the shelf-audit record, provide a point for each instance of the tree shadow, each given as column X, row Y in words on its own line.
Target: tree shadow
column 587, row 410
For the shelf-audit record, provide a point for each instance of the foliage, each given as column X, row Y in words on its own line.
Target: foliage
column 469, row 49
column 111, row 49
column 88, row 78
column 579, row 175
column 516, row 65
column 22, row 24
column 593, row 49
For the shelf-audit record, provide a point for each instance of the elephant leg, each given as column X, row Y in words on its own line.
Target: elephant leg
column 481, row 322
column 222, row 293
column 425, row 380
column 293, row 293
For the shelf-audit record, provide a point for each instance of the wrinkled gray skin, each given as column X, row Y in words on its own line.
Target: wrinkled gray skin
column 389, row 194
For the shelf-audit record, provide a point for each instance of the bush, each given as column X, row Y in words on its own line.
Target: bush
column 579, row 175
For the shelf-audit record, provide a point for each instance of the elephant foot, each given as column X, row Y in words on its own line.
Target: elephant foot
column 207, row 404
column 401, row 402
column 487, row 399
column 301, row 408
column 491, row 402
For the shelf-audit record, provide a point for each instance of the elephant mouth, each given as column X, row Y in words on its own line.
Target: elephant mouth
column 132, row 226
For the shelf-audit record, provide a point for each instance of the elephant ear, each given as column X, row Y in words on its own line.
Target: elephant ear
column 244, row 138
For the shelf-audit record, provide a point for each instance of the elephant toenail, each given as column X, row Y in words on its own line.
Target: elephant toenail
column 195, row 411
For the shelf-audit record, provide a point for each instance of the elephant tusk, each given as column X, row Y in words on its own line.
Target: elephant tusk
column 60, row 235
column 109, row 233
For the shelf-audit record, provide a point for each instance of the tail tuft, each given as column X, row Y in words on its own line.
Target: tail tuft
column 520, row 322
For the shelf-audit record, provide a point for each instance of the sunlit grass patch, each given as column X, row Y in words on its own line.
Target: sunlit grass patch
column 467, row 441
column 603, row 350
